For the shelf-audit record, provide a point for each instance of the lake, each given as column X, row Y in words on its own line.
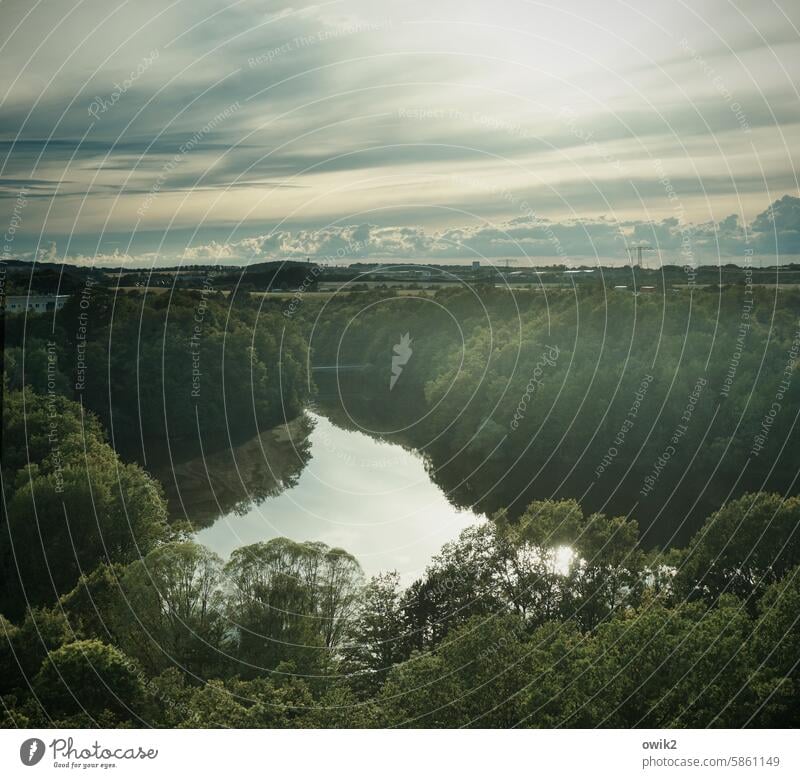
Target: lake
column 369, row 497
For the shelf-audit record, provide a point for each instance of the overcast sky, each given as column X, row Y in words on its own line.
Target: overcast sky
column 201, row 130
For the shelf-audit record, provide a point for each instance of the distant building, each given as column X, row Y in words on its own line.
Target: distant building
column 35, row 303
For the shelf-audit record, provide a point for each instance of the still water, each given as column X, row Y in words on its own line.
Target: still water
column 371, row 498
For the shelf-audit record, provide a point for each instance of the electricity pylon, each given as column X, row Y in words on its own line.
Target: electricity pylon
column 639, row 248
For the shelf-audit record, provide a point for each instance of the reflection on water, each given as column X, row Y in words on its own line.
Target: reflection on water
column 372, row 498
column 231, row 481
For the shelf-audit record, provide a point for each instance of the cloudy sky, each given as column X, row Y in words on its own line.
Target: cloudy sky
column 157, row 131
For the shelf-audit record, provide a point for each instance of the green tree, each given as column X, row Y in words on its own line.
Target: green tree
column 420, row 692
column 742, row 548
column 90, row 678
column 72, row 505
column 170, row 610
column 593, row 563
column 776, row 638
column 375, row 639
column 658, row 667
column 290, row 601
column 24, row 647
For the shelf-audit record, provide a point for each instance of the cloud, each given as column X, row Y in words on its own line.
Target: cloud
column 779, row 226
column 524, row 237
column 346, row 116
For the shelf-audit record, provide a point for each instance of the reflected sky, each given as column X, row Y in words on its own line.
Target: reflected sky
column 373, row 499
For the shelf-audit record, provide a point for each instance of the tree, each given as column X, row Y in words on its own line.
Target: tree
column 490, row 658
column 742, row 548
column 290, row 601
column 469, row 576
column 89, row 678
column 775, row 642
column 72, row 505
column 24, row 647
column 35, row 366
column 62, row 524
column 552, row 562
column 340, row 583
column 93, row 606
column 600, row 559
column 170, row 610
column 420, row 692
column 657, row 667
column 207, row 368
column 375, row 640
column 256, row 703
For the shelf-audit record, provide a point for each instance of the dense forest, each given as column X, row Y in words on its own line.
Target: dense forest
column 169, row 375
column 568, row 607
column 666, row 405
column 557, row 618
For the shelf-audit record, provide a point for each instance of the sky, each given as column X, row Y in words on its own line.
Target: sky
column 146, row 133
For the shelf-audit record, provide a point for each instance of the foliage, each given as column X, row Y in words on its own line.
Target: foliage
column 165, row 373
column 503, row 630
column 88, row 677
column 551, row 393
column 291, row 601
column 551, row 613
column 70, row 502
column 744, row 547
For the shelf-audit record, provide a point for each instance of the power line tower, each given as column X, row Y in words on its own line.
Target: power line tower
column 639, row 248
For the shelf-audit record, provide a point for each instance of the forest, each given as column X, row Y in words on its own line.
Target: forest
column 168, row 375
column 585, row 393
column 567, row 607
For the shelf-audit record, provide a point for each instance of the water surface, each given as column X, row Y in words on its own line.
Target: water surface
column 372, row 498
